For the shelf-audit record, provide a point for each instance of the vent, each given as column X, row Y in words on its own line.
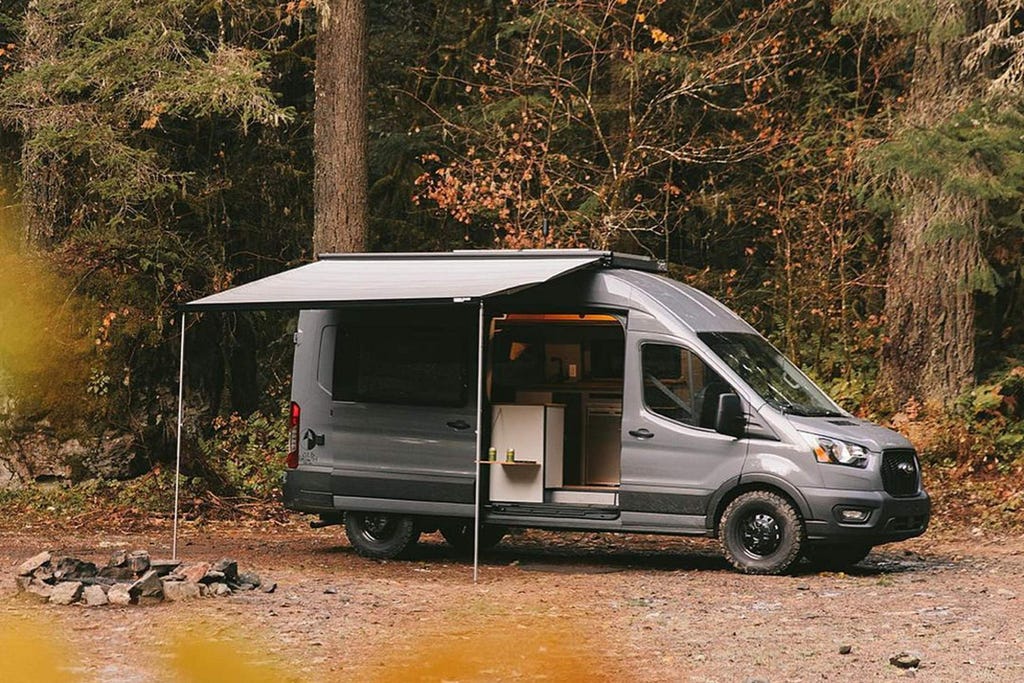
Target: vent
column 901, row 475
column 842, row 423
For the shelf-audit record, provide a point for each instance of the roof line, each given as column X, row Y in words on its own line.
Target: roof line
column 467, row 253
column 609, row 259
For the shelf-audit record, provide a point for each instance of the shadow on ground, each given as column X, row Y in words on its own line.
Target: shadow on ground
column 590, row 553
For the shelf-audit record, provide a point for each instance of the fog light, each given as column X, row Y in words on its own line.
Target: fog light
column 853, row 515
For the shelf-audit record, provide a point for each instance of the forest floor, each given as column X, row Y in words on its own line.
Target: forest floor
column 547, row 606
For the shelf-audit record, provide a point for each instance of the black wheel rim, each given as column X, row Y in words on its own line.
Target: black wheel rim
column 760, row 534
column 377, row 528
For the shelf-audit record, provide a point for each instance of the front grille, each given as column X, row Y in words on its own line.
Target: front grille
column 900, row 474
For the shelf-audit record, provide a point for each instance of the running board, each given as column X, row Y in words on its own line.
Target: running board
column 560, row 511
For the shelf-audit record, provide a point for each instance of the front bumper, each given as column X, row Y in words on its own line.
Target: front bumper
column 889, row 518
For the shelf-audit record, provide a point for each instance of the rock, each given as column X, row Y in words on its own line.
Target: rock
column 220, row 590
column 66, row 592
column 251, row 578
column 118, row 559
column 8, row 479
column 33, row 563
column 114, row 456
column 204, row 590
column 845, row 649
column 164, row 567
column 1008, row 594
column 138, row 561
column 98, row 581
column 39, row 589
column 228, row 567
column 119, row 594
column 72, row 568
column 45, row 573
column 905, row 660
column 180, row 590
column 117, row 573
column 149, row 585
column 94, row 596
column 38, row 456
column 193, row 572
column 243, row 587
column 213, row 577
column 269, row 587
column 330, row 591
column 23, row 583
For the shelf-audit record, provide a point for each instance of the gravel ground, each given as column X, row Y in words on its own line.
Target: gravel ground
column 547, row 606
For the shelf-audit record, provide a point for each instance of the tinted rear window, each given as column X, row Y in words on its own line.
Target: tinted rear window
column 418, row 365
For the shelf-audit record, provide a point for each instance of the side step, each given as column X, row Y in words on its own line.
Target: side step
column 561, row 510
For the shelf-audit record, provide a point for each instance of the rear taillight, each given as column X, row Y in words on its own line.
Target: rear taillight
column 292, row 460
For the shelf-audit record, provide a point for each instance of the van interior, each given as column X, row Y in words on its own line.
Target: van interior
column 569, row 368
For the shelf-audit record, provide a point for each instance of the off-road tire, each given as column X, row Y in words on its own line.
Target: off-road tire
column 380, row 535
column 459, row 535
column 762, row 533
column 835, row 558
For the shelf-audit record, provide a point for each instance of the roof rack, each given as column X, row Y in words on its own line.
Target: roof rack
column 609, row 259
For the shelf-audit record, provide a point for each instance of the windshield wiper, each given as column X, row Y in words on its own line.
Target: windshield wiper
column 806, row 411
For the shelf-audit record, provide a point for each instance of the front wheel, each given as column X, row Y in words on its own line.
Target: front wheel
column 761, row 533
column 380, row 535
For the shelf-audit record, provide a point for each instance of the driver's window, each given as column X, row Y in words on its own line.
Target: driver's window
column 680, row 386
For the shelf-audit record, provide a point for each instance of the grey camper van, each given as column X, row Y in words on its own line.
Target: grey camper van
column 572, row 390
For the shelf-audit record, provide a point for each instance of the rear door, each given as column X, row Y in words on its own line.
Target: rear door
column 673, row 461
column 403, row 408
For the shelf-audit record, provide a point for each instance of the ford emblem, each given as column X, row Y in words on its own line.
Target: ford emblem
column 905, row 468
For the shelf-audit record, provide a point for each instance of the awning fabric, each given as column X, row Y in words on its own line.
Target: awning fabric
column 341, row 279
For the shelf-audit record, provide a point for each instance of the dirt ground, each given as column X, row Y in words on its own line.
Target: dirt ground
column 547, row 606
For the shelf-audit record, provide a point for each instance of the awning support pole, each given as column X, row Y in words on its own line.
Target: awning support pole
column 177, row 457
column 479, row 442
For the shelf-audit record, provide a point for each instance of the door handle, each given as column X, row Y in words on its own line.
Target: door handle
column 641, row 433
column 458, row 425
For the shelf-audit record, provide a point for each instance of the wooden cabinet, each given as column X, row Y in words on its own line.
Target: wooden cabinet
column 535, row 432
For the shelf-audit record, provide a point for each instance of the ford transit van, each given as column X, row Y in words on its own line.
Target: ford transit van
column 472, row 392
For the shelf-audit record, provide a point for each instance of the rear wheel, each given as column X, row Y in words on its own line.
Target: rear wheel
column 836, row 558
column 380, row 535
column 459, row 535
column 761, row 533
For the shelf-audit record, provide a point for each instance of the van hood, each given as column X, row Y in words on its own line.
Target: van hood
column 855, row 430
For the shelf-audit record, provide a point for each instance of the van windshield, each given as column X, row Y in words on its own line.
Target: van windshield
column 769, row 373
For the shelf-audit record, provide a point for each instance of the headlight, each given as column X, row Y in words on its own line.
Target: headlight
column 836, row 452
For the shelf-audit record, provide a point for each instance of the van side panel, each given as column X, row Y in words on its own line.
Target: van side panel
column 380, row 417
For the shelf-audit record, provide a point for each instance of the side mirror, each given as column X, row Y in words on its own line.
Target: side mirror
column 730, row 419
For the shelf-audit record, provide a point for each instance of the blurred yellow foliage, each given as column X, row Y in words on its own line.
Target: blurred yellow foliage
column 462, row 647
column 196, row 659
column 493, row 648
column 43, row 346
column 27, row 654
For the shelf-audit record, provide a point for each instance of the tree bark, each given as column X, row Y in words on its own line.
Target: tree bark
column 936, row 243
column 340, row 130
column 929, row 306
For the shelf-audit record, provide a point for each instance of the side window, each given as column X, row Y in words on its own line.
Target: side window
column 680, row 386
column 410, row 365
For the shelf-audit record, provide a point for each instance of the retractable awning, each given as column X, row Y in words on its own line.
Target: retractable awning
column 337, row 280
column 351, row 279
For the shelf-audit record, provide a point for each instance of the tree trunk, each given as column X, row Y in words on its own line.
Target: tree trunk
column 340, row 132
column 929, row 306
column 936, row 245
